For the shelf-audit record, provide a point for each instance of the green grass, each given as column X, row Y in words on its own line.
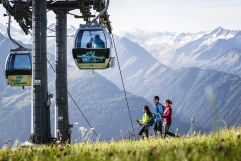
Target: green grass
column 221, row 146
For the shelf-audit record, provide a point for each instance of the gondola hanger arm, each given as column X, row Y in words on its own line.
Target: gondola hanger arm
column 9, row 33
column 102, row 12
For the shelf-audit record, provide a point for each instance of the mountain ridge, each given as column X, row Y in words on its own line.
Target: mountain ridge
column 196, row 49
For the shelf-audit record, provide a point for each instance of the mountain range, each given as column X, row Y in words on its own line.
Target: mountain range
column 218, row 49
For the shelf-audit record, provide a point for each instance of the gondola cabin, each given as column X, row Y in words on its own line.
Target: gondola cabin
column 92, row 47
column 18, row 68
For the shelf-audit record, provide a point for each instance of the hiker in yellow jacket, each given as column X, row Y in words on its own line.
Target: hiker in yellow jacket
column 146, row 122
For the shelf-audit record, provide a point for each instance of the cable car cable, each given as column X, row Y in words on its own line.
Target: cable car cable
column 30, row 33
column 123, row 85
column 72, row 98
column 55, row 32
column 51, row 29
column 83, row 115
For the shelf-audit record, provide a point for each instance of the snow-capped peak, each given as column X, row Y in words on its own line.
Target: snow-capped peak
column 221, row 32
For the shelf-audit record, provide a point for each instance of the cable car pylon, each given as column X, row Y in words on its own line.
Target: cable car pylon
column 62, row 125
column 40, row 130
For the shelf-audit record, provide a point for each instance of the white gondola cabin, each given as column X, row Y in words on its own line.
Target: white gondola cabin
column 92, row 47
column 18, row 68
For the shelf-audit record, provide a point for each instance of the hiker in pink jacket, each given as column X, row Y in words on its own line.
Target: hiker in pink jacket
column 167, row 118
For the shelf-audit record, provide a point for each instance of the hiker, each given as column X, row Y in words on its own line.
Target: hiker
column 146, row 122
column 167, row 118
column 158, row 112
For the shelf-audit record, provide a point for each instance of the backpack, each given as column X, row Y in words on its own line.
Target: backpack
column 151, row 121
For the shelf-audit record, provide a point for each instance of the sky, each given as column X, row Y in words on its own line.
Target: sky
column 167, row 15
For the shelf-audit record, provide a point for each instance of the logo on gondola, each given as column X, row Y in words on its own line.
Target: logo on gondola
column 18, row 80
column 90, row 53
column 90, row 57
